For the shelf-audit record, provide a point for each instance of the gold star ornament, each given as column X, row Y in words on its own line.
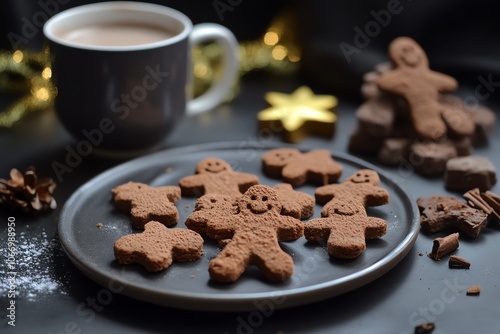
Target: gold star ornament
column 299, row 114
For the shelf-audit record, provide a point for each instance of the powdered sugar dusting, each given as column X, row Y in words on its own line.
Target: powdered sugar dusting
column 32, row 272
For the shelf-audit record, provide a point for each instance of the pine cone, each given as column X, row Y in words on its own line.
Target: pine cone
column 27, row 192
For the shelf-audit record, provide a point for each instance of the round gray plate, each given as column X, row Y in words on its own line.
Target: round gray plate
column 187, row 285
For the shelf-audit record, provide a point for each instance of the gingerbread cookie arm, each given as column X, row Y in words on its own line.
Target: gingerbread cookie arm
column 193, row 185
column 316, row 230
column 378, row 197
column 222, row 228
column 391, row 82
column 444, row 83
column 324, row 194
column 375, row 228
column 289, row 228
column 173, row 193
column 294, row 174
column 245, row 181
column 197, row 221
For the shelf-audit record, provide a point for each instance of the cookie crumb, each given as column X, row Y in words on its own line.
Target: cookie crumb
column 100, row 225
column 192, row 276
column 474, row 290
column 457, row 262
column 420, row 253
column 425, row 328
column 168, row 170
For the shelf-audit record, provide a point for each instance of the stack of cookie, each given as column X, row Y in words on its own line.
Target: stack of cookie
column 409, row 116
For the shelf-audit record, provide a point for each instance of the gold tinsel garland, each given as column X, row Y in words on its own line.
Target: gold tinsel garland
column 28, row 73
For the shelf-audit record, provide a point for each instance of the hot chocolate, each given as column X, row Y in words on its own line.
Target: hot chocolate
column 116, row 34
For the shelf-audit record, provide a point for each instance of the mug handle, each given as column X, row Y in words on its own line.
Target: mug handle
column 219, row 90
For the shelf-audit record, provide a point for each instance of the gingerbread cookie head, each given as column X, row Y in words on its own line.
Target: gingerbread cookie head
column 212, row 165
column 365, row 176
column 405, row 52
column 275, row 160
column 260, row 200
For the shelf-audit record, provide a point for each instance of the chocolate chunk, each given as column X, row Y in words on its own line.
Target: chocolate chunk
column 440, row 212
column 425, row 328
column 464, row 173
column 444, row 246
column 458, row 262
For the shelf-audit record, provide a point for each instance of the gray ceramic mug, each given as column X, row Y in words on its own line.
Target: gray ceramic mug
column 123, row 72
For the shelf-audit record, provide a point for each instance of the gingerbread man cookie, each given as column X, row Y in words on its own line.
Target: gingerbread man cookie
column 361, row 187
column 216, row 176
column 296, row 168
column 145, row 203
column 158, row 246
column 412, row 79
column 345, row 232
column 255, row 233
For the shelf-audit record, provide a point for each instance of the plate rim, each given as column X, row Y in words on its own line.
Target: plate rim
column 242, row 302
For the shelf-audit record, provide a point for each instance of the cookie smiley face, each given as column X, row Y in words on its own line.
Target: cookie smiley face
column 212, row 165
column 259, row 201
column 408, row 53
column 365, row 176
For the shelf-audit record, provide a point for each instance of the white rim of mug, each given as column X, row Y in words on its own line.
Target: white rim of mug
column 130, row 5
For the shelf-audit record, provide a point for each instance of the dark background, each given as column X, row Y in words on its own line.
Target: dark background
column 461, row 38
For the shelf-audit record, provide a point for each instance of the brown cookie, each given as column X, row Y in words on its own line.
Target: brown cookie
column 255, row 232
column 362, row 142
column 346, row 229
column 429, row 158
column 145, row 203
column 438, row 213
column 210, row 206
column 296, row 204
column 394, row 151
column 216, row 176
column 376, row 117
column 158, row 246
column 361, row 187
column 484, row 119
column 465, row 173
column 297, row 168
column 412, row 79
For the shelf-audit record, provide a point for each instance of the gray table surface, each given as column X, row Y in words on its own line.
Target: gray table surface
column 418, row 289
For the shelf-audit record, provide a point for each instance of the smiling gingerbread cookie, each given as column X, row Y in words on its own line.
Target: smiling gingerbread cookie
column 255, row 233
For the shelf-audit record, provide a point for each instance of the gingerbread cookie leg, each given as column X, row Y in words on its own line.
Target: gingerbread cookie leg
column 275, row 266
column 231, row 263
